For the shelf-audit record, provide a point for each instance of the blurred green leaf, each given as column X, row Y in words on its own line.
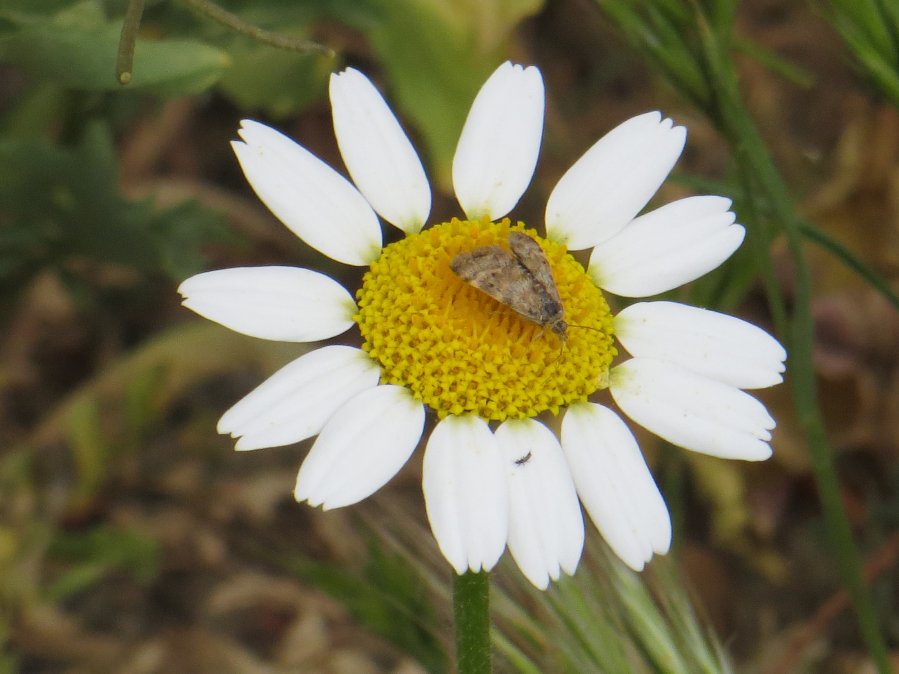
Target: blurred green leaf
column 77, row 48
column 34, row 9
column 655, row 30
column 99, row 552
column 91, row 450
column 61, row 203
column 144, row 402
column 279, row 82
column 867, row 19
column 776, row 63
column 36, row 111
column 854, row 262
column 871, row 31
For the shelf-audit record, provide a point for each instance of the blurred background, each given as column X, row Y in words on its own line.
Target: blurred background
column 133, row 538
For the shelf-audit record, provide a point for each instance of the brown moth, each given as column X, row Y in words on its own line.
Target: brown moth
column 520, row 279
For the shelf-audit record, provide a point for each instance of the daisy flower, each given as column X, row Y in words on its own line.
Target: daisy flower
column 493, row 474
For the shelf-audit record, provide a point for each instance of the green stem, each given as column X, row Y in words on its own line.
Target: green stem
column 749, row 147
column 851, row 261
column 471, row 592
column 759, row 237
column 125, row 56
column 226, row 18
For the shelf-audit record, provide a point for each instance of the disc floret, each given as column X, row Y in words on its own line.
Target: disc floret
column 459, row 350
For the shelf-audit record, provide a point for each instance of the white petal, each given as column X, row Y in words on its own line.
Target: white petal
column 295, row 402
column 318, row 204
column 378, row 153
column 546, row 529
column 288, row 304
column 498, row 148
column 692, row 411
column 362, row 446
column 667, row 247
column 464, row 484
column 709, row 343
column 615, row 484
column 613, row 181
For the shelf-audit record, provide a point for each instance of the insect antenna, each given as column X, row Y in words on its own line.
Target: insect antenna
column 563, row 338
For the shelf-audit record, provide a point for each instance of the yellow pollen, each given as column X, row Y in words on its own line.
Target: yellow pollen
column 460, row 351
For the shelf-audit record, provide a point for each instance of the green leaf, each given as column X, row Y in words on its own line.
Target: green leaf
column 90, row 449
column 98, row 553
column 63, row 202
column 36, row 9
column 77, row 49
column 36, row 111
column 279, row 82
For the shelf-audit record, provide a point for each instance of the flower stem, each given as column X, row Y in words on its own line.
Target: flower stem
column 471, row 592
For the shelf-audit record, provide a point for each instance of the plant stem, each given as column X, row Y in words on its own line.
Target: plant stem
column 226, row 18
column 471, row 592
column 125, row 56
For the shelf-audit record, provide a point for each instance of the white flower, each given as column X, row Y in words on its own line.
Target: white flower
column 517, row 485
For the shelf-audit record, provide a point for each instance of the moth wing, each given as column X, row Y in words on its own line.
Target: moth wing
column 498, row 273
column 531, row 256
column 480, row 263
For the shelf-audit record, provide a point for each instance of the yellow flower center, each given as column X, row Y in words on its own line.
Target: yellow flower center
column 461, row 351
